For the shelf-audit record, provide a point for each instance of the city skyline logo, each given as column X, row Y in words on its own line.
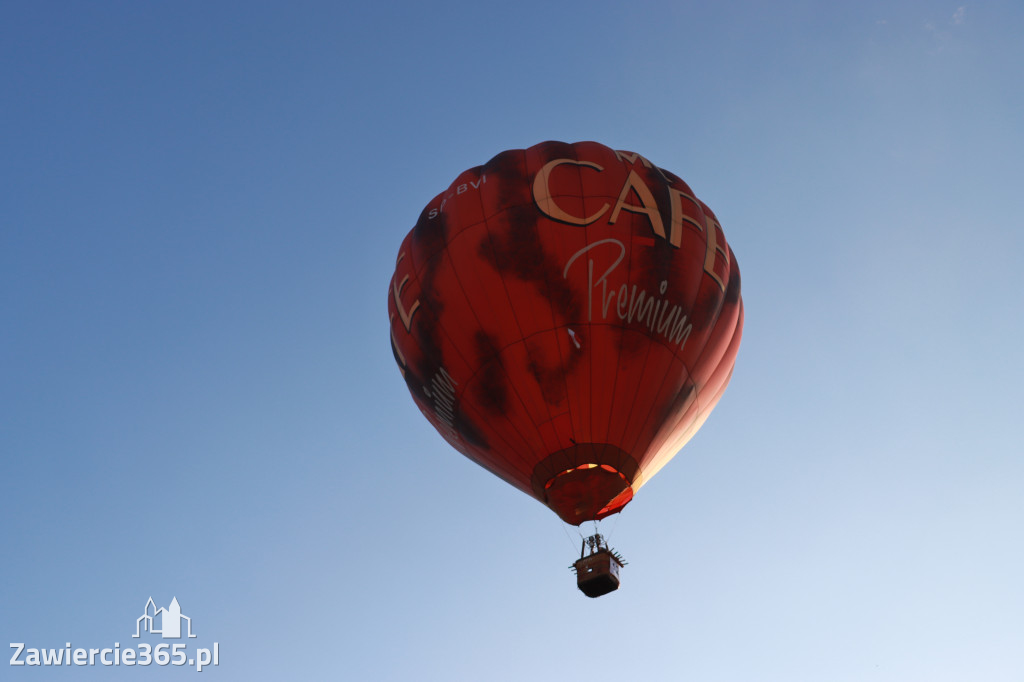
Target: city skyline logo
column 168, row 619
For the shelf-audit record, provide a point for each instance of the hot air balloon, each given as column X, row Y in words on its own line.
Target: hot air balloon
column 567, row 316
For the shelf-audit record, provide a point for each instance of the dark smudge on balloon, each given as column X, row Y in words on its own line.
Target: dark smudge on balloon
column 549, row 376
column 510, row 167
column 732, row 291
column 514, row 248
column 491, row 387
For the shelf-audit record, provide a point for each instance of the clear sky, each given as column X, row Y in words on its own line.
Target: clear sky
column 200, row 208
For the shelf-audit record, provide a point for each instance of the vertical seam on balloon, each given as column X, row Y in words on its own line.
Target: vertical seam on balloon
column 654, row 401
column 647, row 355
column 718, row 314
column 497, row 354
column 702, row 411
column 699, row 418
column 524, row 483
column 701, row 407
column 496, row 357
column 679, row 352
column 515, row 317
column 735, row 330
column 665, row 428
column 589, row 355
column 554, row 331
column 428, row 310
column 438, row 325
column 472, row 376
column 577, row 399
column 555, row 326
column 618, row 360
column 618, row 357
column 696, row 388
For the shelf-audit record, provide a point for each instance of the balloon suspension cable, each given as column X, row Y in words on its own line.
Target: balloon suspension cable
column 565, row 530
column 615, row 524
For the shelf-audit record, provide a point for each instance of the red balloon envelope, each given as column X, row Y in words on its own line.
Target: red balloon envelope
column 567, row 316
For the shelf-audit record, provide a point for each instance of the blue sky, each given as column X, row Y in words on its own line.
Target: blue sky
column 201, row 208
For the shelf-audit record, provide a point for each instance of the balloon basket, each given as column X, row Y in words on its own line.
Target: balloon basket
column 597, row 573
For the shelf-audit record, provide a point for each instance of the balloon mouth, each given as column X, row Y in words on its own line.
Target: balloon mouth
column 588, row 493
column 586, row 482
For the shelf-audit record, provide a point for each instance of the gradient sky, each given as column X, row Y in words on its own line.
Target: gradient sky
column 200, row 211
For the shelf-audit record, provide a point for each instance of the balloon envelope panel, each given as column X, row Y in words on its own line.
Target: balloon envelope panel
column 567, row 316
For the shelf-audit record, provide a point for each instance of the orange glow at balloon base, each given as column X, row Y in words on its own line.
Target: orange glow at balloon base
column 587, row 493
